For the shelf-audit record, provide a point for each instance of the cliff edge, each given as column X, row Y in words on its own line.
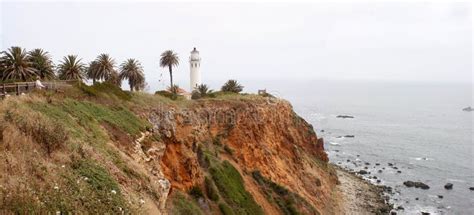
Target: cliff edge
column 98, row 149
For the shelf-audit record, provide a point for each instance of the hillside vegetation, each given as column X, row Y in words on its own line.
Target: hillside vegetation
column 98, row 149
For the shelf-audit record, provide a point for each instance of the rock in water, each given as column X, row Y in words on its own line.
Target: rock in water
column 416, row 184
column 448, row 186
column 471, row 188
column 468, row 109
column 363, row 172
column 345, row 116
column 440, row 196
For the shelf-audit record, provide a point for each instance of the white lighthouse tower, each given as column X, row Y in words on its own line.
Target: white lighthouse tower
column 195, row 63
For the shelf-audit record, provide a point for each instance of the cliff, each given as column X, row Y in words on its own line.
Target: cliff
column 99, row 149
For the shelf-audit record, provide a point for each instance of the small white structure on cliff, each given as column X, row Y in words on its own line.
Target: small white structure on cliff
column 195, row 63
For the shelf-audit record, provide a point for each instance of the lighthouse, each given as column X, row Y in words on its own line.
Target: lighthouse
column 195, row 74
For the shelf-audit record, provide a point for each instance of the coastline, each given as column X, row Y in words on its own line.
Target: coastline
column 358, row 196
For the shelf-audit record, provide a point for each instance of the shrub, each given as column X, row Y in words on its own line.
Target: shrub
column 50, row 134
column 211, row 190
column 232, row 86
column 164, row 93
column 196, row 192
column 203, row 159
column 217, row 141
column 225, row 210
column 105, row 88
column 174, row 90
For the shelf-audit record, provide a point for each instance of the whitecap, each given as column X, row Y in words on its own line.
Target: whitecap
column 334, row 143
column 424, row 159
column 456, row 180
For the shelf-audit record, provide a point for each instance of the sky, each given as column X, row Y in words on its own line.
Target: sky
column 387, row 41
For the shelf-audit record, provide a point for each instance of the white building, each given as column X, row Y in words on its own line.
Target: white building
column 195, row 63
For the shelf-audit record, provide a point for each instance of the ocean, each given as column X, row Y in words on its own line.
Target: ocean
column 420, row 128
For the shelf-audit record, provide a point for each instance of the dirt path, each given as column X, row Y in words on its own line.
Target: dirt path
column 359, row 196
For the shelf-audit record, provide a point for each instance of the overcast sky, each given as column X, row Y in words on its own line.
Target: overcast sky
column 257, row 41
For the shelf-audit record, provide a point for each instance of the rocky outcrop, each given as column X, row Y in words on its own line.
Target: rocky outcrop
column 263, row 135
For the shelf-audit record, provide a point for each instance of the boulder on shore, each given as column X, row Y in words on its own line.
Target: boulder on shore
column 448, row 186
column 416, row 184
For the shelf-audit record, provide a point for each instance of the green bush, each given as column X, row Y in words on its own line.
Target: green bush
column 196, row 192
column 211, row 190
column 231, row 186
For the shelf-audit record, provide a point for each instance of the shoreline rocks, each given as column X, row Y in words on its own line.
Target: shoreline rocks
column 416, row 184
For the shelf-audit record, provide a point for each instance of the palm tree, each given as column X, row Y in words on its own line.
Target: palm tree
column 169, row 59
column 201, row 91
column 16, row 65
column 42, row 62
column 71, row 68
column 132, row 70
column 103, row 67
column 114, row 78
column 232, row 86
column 91, row 71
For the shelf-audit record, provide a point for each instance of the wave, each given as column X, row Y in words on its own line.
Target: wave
column 424, row 159
column 334, row 143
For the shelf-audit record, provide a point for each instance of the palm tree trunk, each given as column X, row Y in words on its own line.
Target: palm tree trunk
column 131, row 87
column 171, row 74
column 93, row 81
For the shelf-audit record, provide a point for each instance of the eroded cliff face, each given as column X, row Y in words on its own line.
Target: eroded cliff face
column 111, row 151
column 263, row 135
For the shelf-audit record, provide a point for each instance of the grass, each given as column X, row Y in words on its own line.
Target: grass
column 118, row 116
column 105, row 89
column 103, row 185
column 231, row 186
column 289, row 203
column 211, row 190
column 225, row 209
column 183, row 206
column 48, row 133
